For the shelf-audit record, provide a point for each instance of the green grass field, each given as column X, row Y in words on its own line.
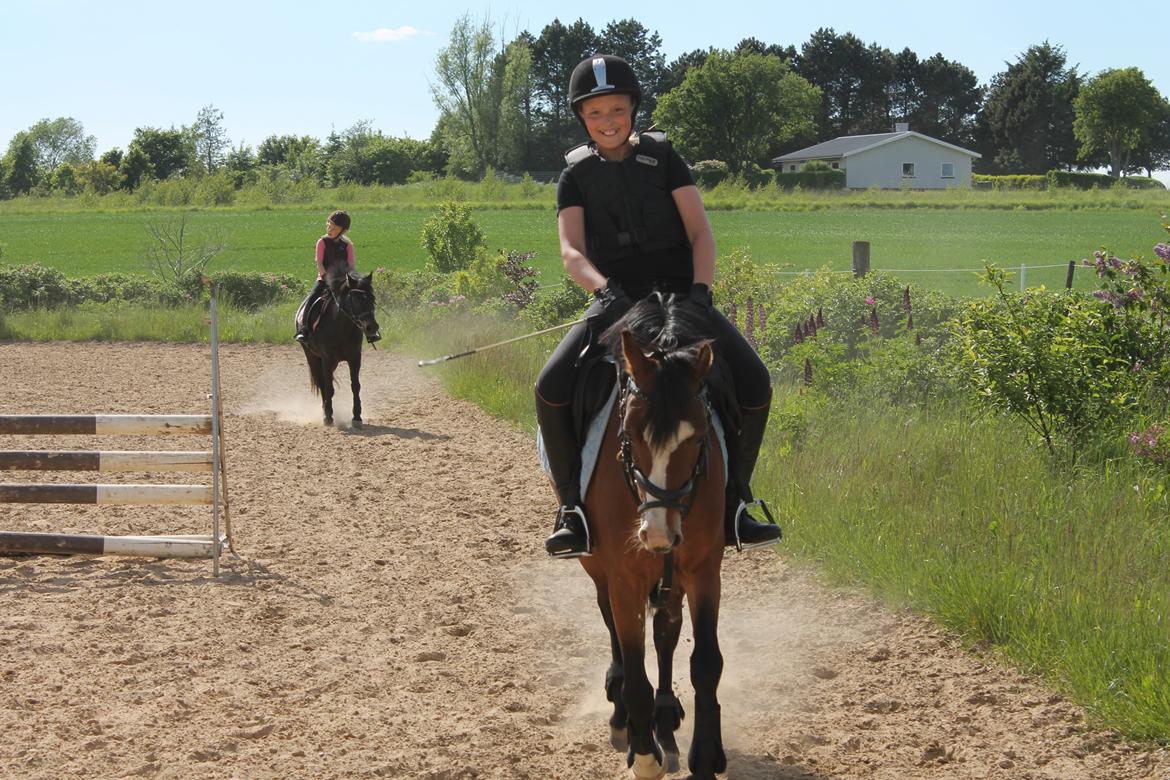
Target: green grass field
column 935, row 247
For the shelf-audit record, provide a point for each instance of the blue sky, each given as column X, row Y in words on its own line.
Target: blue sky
column 294, row 67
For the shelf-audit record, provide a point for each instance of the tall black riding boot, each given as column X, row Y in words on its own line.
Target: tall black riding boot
column 741, row 530
column 570, row 537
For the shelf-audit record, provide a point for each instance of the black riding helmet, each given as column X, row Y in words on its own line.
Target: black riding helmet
column 341, row 219
column 603, row 74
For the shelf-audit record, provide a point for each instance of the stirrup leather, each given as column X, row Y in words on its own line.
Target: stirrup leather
column 743, row 507
column 580, row 513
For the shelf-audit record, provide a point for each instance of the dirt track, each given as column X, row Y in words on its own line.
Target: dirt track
column 393, row 615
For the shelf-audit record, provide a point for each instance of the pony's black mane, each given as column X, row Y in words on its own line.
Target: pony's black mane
column 669, row 332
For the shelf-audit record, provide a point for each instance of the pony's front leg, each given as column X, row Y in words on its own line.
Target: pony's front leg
column 355, row 367
column 644, row 757
column 326, row 388
column 619, row 735
column 706, row 757
column 668, row 711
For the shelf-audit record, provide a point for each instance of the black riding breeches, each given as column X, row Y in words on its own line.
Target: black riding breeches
column 318, row 290
column 753, row 385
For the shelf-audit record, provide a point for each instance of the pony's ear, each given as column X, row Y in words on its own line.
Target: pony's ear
column 368, row 279
column 704, row 359
column 638, row 365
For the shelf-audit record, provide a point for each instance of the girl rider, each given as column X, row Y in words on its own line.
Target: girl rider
column 334, row 255
column 631, row 221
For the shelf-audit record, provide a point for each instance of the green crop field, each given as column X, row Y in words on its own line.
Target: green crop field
column 937, row 248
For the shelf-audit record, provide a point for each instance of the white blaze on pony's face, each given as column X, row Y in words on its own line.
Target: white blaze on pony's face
column 661, row 528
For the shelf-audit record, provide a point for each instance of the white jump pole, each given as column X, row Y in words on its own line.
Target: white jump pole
column 216, row 455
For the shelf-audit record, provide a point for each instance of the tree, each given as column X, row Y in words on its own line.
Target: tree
column 629, row 39
column 1154, row 154
column 481, row 90
column 1116, row 112
column 1029, row 113
column 555, row 52
column 677, row 71
column 840, row 66
column 155, row 153
column 463, row 91
column 738, row 108
column 20, row 165
column 211, row 140
column 60, row 140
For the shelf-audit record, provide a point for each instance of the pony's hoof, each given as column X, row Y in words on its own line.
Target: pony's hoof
column 646, row 767
column 619, row 738
column 672, row 764
column 328, row 421
column 357, row 423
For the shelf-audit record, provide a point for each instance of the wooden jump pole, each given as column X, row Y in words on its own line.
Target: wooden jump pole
column 98, row 460
column 79, row 544
column 103, row 424
column 59, row 493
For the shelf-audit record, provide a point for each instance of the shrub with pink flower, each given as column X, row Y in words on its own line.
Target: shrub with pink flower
column 1151, row 444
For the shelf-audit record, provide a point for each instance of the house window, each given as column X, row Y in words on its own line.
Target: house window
column 791, row 168
column 948, row 170
column 908, row 170
column 834, row 166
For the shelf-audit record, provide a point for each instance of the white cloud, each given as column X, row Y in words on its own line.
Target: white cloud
column 387, row 34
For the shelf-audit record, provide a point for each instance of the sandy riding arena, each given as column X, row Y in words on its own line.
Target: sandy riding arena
column 392, row 614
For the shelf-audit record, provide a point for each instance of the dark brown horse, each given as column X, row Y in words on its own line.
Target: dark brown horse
column 347, row 314
column 655, row 507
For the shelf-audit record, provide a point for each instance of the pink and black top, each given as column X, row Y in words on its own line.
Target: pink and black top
column 334, row 255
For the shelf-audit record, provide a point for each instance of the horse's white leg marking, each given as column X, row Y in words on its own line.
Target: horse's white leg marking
column 646, row 767
column 654, row 532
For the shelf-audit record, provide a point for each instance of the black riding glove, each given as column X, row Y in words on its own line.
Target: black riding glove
column 700, row 297
column 614, row 303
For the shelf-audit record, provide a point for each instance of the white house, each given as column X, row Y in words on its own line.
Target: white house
column 894, row 160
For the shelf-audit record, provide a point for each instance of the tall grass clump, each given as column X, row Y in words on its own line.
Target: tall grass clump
column 955, row 514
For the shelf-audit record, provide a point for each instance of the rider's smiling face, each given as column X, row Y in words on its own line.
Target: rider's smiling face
column 331, row 230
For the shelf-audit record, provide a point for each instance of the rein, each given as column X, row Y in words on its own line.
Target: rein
column 682, row 498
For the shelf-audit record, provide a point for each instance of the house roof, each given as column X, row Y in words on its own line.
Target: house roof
column 846, row 145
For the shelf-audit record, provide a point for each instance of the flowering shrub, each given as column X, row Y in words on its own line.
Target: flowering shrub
column 1151, row 444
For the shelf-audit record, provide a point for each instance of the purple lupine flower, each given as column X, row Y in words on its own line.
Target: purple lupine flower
column 749, row 331
column 820, row 317
column 807, row 373
column 869, row 300
column 910, row 321
column 763, row 319
column 873, row 321
column 811, row 327
column 906, row 299
column 1163, row 251
column 1110, row 297
column 798, row 335
column 733, row 314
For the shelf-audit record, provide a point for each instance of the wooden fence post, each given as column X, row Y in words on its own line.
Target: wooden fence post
column 1072, row 266
column 860, row 258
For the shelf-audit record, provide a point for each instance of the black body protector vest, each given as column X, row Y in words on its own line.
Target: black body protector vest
column 629, row 210
column 336, row 259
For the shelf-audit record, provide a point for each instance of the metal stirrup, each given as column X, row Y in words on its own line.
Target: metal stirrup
column 743, row 507
column 580, row 513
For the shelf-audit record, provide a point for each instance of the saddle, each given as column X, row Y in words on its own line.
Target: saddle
column 596, row 391
column 315, row 312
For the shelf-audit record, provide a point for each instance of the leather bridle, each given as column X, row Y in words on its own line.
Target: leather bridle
column 640, row 486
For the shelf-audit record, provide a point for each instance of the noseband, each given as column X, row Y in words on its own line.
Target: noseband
column 682, row 498
column 341, row 299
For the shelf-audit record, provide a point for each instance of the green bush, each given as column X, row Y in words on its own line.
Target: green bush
column 709, row 173
column 451, row 238
column 252, row 290
column 755, row 177
column 1063, row 363
column 104, row 288
column 1013, row 182
column 811, row 180
column 32, row 286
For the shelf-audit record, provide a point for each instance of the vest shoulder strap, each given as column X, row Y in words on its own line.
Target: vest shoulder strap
column 578, row 154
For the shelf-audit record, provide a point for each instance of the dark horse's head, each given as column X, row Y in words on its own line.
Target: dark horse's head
column 354, row 294
column 662, row 343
